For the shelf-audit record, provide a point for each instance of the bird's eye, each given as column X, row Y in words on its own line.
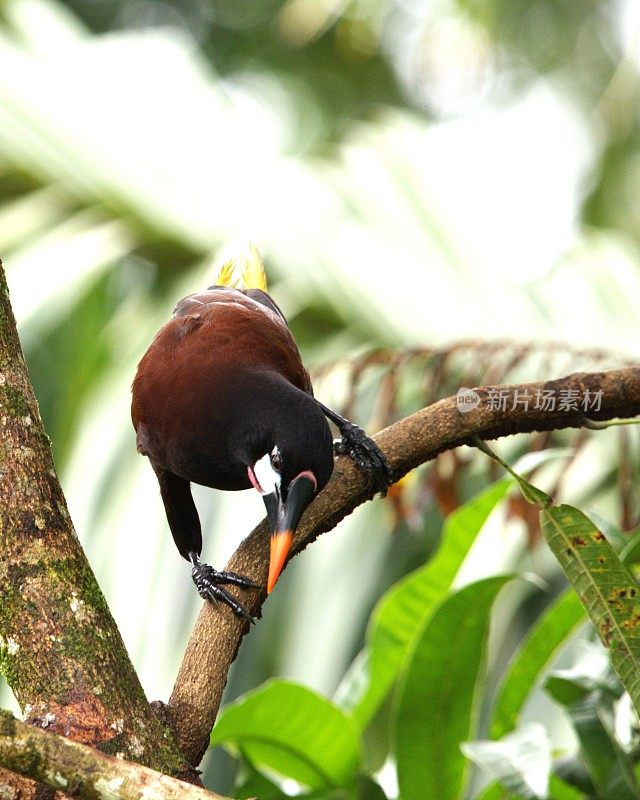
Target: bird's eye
column 276, row 461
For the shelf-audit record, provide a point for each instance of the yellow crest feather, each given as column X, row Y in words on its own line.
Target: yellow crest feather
column 243, row 271
column 225, row 276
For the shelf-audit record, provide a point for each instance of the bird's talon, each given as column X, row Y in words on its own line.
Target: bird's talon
column 208, row 580
column 237, row 580
column 366, row 455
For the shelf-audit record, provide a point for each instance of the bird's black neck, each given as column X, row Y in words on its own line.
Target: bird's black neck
column 275, row 412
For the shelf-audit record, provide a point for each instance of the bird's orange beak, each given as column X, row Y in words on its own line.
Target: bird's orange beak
column 279, row 550
column 287, row 516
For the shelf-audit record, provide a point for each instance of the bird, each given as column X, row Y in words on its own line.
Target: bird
column 221, row 398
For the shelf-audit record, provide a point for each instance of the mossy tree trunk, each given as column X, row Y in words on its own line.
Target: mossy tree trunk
column 60, row 649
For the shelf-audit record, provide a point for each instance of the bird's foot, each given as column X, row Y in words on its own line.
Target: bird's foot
column 208, row 580
column 365, row 453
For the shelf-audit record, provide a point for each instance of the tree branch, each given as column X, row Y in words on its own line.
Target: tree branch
column 419, row 438
column 82, row 771
column 60, row 648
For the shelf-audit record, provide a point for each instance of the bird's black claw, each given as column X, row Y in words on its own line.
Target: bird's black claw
column 208, row 580
column 236, row 580
column 366, row 454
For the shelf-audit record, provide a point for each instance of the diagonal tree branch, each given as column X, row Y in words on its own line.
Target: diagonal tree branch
column 60, row 649
column 82, row 771
column 501, row 411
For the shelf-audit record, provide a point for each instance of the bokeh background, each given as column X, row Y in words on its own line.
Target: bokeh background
column 416, row 175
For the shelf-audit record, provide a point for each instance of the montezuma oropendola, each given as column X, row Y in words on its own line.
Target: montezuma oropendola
column 221, row 398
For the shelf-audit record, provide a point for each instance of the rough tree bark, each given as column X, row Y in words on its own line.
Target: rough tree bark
column 60, row 649
column 82, row 771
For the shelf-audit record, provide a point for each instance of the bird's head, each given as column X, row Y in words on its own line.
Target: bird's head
column 296, row 464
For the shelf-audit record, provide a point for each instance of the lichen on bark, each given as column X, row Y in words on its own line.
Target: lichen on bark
column 60, row 649
column 81, row 771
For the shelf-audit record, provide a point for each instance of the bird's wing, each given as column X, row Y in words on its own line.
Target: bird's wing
column 266, row 300
column 191, row 304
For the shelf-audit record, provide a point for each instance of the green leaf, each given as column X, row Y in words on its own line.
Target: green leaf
column 630, row 553
column 530, row 493
column 591, row 671
column 588, row 690
column 605, row 586
column 368, row 789
column 536, row 652
column 400, row 613
column 616, row 538
column 564, row 691
column 492, row 792
column 561, row 790
column 294, row 732
column 251, row 783
column 558, row 790
column 363, row 788
column 436, row 700
column 609, row 766
column 521, row 761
